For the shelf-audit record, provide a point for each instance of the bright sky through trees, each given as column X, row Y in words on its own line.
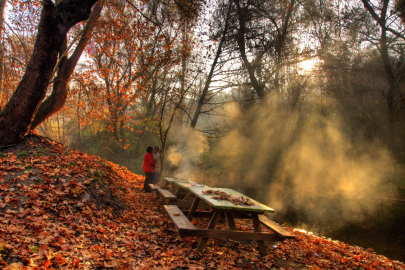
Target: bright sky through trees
column 307, row 65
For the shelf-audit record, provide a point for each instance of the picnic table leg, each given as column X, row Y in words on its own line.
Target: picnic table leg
column 231, row 221
column 162, row 201
column 193, row 208
column 256, row 225
column 189, row 196
column 214, row 219
column 177, row 193
column 157, row 196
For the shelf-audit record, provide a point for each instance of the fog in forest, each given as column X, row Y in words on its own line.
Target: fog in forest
column 317, row 165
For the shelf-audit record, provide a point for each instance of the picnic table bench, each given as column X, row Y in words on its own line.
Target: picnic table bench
column 162, row 194
column 275, row 227
column 230, row 211
column 182, row 223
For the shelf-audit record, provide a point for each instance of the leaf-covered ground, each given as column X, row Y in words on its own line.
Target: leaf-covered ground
column 62, row 209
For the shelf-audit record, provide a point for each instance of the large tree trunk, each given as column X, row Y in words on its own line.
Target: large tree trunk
column 57, row 99
column 55, row 22
column 2, row 7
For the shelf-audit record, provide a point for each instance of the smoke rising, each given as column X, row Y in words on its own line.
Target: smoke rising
column 301, row 161
column 329, row 174
column 185, row 154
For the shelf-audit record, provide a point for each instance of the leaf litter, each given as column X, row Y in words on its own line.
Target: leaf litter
column 221, row 195
column 63, row 209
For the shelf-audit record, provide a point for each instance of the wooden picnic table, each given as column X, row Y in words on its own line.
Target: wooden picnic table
column 176, row 194
column 169, row 181
column 184, row 187
column 231, row 211
column 185, row 197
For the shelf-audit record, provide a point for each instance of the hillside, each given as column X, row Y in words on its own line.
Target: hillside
column 63, row 209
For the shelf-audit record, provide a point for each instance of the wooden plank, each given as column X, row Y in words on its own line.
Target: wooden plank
column 167, row 195
column 178, row 192
column 228, row 205
column 154, row 187
column 193, row 208
column 260, row 243
column 183, row 225
column 231, row 221
column 189, row 196
column 199, row 214
column 234, row 235
column 188, row 203
column 186, row 185
column 170, row 180
column 275, row 227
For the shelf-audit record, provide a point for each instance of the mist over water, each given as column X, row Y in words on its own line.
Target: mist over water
column 306, row 162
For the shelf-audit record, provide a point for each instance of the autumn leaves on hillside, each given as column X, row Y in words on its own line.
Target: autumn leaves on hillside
column 62, row 209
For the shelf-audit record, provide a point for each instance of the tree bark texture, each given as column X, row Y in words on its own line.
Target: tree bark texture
column 58, row 97
column 55, row 22
column 2, row 7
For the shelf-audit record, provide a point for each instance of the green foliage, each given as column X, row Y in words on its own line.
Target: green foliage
column 72, row 164
column 23, row 154
column 34, row 248
column 1, row 154
column 98, row 173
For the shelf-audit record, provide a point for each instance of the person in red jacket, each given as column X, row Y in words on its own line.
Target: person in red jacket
column 148, row 167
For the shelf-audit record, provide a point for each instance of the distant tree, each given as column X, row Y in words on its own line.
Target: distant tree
column 222, row 28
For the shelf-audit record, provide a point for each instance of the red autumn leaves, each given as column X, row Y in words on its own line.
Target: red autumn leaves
column 53, row 216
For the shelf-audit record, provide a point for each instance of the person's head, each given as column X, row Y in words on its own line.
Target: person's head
column 149, row 149
column 156, row 148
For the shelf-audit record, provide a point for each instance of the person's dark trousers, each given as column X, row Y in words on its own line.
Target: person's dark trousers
column 155, row 177
column 148, row 180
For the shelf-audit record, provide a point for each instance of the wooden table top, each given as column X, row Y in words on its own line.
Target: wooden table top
column 228, row 205
column 186, row 186
column 174, row 180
